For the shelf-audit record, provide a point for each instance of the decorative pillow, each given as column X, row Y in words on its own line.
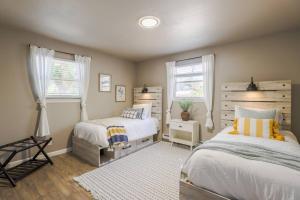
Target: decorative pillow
column 130, row 113
column 279, row 117
column 147, row 109
column 140, row 112
column 241, row 112
column 264, row 128
column 276, row 133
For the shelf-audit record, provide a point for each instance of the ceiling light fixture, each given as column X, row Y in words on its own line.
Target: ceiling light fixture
column 149, row 22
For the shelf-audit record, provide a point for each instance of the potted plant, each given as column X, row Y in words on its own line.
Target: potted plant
column 185, row 105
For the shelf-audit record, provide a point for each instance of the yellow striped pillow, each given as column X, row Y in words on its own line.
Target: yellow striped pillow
column 254, row 127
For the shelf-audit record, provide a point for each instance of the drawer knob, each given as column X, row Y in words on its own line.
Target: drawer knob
column 127, row 147
column 179, row 126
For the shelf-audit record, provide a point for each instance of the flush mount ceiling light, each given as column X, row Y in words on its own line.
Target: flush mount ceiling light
column 149, row 22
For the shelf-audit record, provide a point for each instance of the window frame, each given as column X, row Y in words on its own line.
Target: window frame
column 63, row 98
column 193, row 99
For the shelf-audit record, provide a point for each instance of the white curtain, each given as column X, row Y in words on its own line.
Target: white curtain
column 84, row 70
column 208, row 84
column 170, row 88
column 40, row 61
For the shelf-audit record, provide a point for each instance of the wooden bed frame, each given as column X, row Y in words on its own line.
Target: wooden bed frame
column 270, row 94
column 91, row 153
column 189, row 191
column 154, row 96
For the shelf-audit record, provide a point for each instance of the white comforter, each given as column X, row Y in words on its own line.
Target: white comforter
column 240, row 178
column 94, row 131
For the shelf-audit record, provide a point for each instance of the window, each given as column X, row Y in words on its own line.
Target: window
column 188, row 80
column 64, row 79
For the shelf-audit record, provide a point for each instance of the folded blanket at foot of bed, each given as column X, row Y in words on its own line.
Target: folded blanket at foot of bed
column 116, row 135
column 254, row 152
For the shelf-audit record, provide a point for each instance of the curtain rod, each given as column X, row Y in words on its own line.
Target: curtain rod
column 73, row 54
column 188, row 58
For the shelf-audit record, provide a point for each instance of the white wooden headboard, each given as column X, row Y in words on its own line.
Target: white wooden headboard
column 154, row 96
column 270, row 94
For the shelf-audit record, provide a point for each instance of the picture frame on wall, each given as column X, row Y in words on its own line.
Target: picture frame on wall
column 120, row 93
column 104, row 82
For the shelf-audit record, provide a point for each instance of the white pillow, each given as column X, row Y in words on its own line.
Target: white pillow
column 255, row 113
column 147, row 109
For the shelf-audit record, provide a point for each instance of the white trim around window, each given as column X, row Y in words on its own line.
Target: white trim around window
column 188, row 74
column 193, row 99
column 64, row 80
column 62, row 99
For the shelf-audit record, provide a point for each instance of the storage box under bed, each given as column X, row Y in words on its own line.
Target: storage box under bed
column 91, row 153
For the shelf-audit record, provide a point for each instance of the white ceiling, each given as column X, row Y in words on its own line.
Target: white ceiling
column 111, row 25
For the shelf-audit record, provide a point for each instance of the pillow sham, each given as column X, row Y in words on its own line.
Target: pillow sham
column 140, row 112
column 147, row 109
column 241, row 112
column 130, row 113
column 262, row 128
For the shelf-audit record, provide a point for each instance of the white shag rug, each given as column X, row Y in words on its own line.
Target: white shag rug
column 151, row 173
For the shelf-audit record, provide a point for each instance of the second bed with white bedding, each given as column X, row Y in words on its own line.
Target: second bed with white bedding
column 241, row 178
column 94, row 131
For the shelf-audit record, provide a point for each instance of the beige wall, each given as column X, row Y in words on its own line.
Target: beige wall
column 18, row 110
column 275, row 57
column 268, row 58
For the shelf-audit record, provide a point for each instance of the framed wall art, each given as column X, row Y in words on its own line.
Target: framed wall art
column 104, row 82
column 120, row 93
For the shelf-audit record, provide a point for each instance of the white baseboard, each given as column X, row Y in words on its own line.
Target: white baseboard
column 59, row 152
column 50, row 154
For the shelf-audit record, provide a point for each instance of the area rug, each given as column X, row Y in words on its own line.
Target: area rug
column 151, row 173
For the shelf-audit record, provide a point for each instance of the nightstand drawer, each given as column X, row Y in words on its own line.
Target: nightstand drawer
column 181, row 126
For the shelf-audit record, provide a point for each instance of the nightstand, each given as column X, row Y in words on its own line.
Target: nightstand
column 184, row 132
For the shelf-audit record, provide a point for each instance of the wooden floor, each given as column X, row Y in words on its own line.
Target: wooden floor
column 50, row 182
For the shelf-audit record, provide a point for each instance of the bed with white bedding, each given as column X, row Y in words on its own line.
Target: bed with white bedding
column 91, row 136
column 236, row 177
column 245, row 164
column 94, row 131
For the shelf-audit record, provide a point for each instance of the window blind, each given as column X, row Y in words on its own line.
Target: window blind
column 189, row 79
column 64, row 79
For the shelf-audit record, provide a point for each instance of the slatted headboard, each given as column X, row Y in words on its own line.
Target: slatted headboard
column 270, row 94
column 154, row 96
